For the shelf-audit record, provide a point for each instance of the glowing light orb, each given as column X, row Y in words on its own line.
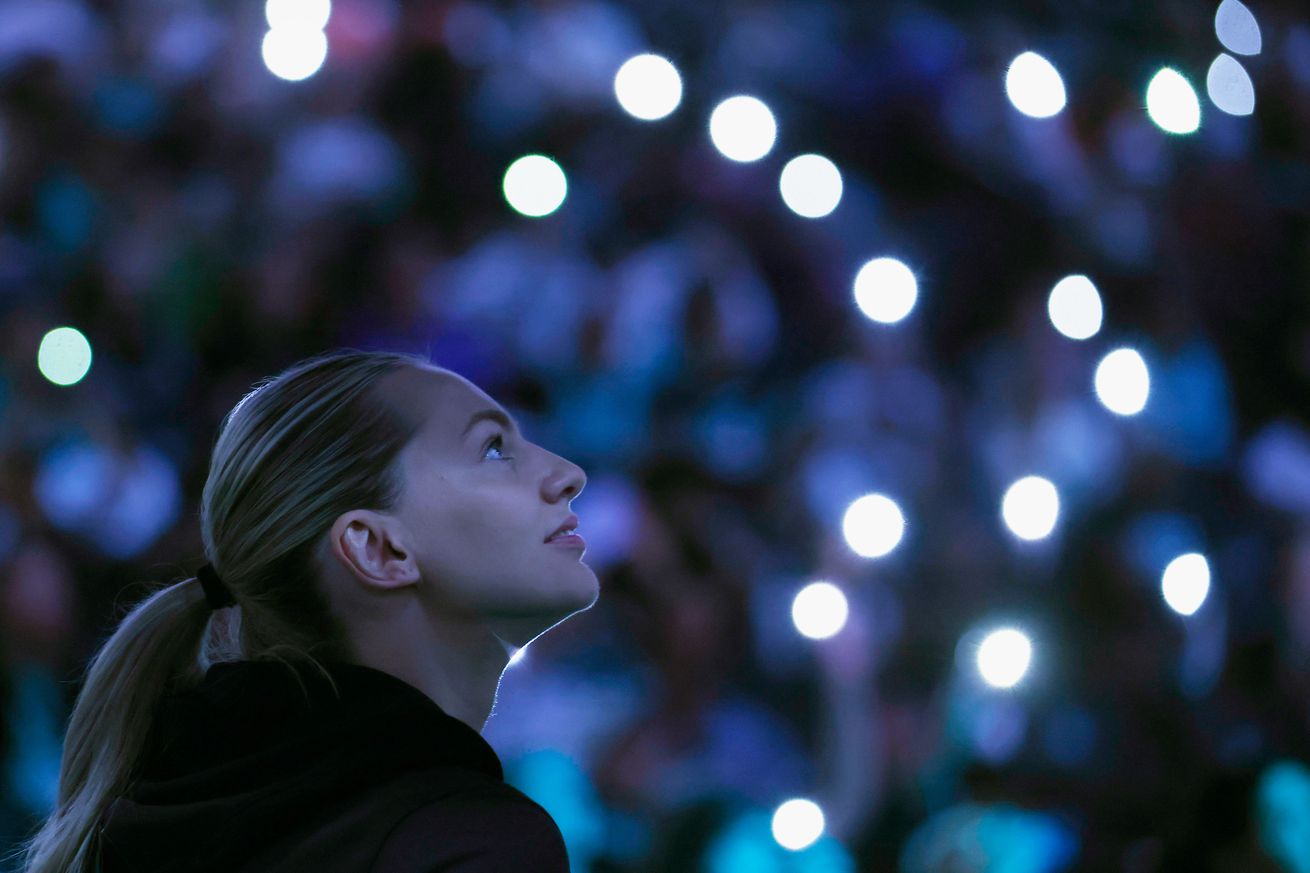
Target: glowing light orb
column 1031, row 507
column 811, row 185
column 1075, row 307
column 743, row 129
column 64, row 356
column 1237, row 29
column 1186, row 583
column 1172, row 103
column 297, row 14
column 648, row 87
column 1229, row 86
column 873, row 525
column 1004, row 657
column 886, row 290
column 797, row 823
column 294, row 54
column 1034, row 86
column 535, row 185
column 1122, row 382
column 819, row 610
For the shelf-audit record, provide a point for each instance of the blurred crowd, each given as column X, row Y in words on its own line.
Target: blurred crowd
column 692, row 344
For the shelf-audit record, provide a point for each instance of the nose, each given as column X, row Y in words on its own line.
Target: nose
column 572, row 478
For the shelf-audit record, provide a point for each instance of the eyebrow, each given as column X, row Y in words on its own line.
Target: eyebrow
column 493, row 415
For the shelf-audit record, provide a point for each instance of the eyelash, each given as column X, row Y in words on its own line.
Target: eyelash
column 498, row 438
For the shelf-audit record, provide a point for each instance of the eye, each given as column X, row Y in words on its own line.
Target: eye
column 498, row 439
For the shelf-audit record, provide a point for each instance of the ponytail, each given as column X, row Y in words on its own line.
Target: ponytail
column 153, row 647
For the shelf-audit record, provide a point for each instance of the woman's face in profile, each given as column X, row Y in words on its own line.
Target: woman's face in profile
column 478, row 503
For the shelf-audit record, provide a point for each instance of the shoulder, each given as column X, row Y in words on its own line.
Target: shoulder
column 478, row 828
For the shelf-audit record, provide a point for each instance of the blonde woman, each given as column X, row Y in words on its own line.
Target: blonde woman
column 379, row 537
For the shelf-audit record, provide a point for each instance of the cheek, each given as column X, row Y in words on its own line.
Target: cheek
column 473, row 522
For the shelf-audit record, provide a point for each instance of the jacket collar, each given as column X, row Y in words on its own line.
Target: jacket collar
column 247, row 714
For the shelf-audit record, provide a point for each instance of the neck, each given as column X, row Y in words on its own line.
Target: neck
column 457, row 665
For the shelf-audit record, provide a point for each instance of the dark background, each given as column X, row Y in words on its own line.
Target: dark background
column 694, row 345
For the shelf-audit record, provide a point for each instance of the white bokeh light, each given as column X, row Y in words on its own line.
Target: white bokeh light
column 873, row 525
column 1122, row 382
column 1004, row 657
column 648, row 87
column 810, row 185
column 1031, row 507
column 519, row 654
column 1237, row 29
column 1034, row 86
column 1229, row 86
column 797, row 823
column 1186, row 583
column 294, row 54
column 297, row 14
column 535, row 186
column 1172, row 103
column 819, row 610
column 742, row 128
column 886, row 290
column 1075, row 307
column 64, row 356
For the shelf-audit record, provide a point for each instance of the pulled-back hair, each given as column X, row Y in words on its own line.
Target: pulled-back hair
column 298, row 450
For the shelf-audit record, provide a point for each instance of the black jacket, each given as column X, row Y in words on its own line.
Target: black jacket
column 243, row 774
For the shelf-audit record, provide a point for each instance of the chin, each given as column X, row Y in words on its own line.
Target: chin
column 579, row 600
column 531, row 621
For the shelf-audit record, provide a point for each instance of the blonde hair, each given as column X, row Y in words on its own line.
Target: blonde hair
column 298, row 450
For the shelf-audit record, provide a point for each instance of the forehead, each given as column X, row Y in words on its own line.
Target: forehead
column 438, row 401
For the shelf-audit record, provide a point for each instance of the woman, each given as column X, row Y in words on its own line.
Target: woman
column 380, row 528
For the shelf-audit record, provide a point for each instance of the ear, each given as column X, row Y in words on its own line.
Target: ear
column 370, row 546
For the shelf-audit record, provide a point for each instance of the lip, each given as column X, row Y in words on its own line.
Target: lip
column 572, row 541
column 571, row 521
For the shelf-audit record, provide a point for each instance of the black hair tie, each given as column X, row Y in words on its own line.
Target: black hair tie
column 218, row 594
